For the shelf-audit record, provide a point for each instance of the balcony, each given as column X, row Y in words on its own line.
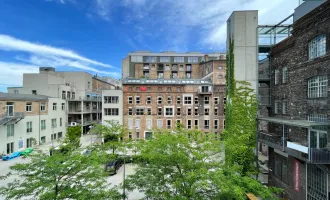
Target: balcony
column 12, row 117
column 273, row 140
column 319, row 156
column 205, row 90
column 264, row 76
column 95, row 99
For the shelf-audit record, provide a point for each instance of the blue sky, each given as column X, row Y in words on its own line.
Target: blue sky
column 95, row 35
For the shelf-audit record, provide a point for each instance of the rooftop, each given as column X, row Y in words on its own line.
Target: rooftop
column 22, row 97
column 129, row 81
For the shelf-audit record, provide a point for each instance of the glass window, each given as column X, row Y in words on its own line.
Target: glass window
column 285, row 75
column 169, row 111
column 277, row 72
column 159, row 123
column 192, row 59
column 149, row 123
column 10, row 130
column 206, row 100
column 215, row 111
column 284, row 107
column 139, row 111
column 60, row 121
column 148, row 111
column 206, row 124
column 196, row 124
column 216, row 124
column 178, row 111
column 42, row 107
column 29, row 107
column 111, row 99
column 54, row 123
column 137, row 100
column 54, row 106
column 179, row 59
column 130, row 111
column 318, row 87
column 148, row 100
column 136, row 59
column 169, row 100
column 28, row 127
column 165, row 59
column 137, row 135
column 206, row 111
column 43, row 124
column 130, row 100
column 216, row 100
column 178, row 100
column 63, row 106
column 317, row 46
column 276, row 106
column 130, row 123
column 151, row 59
column 189, row 124
column 159, row 111
column 196, row 111
column 159, row 100
column 318, row 118
column 187, row 100
column 111, row 111
column 168, row 123
column 189, row 111
column 137, row 123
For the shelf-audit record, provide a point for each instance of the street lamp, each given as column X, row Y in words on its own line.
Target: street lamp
column 90, row 128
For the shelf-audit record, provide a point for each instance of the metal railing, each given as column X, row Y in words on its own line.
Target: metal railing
column 271, row 137
column 7, row 118
column 209, row 90
column 319, row 156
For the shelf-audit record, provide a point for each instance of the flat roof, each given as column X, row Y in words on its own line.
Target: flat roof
column 22, row 97
column 291, row 122
column 173, row 53
column 133, row 81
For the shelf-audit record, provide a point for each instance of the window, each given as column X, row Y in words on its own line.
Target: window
column 189, row 111
column 284, row 107
column 187, row 100
column 178, row 89
column 10, row 148
column 224, row 124
column 216, row 100
column 216, row 124
column 188, row 67
column 148, row 100
column 137, row 123
column 28, row 142
column 43, row 139
column 68, row 95
column 206, row 124
column 130, row 135
column 130, row 100
column 178, row 111
column 318, row 87
column 111, row 111
column 196, row 100
column 318, row 118
column 196, row 111
column 220, row 67
column 42, row 107
column 130, row 111
column 60, row 121
column 159, row 123
column 130, row 123
column 189, row 124
column 277, row 72
column 169, row 111
column 169, row 89
column 137, row 89
column 63, row 95
column 63, row 106
column 28, row 127
column 220, row 76
column 206, row 100
column 29, row 107
column 139, row 111
column 196, row 124
column 54, row 124
column 73, row 95
column 136, row 59
column 159, row 111
column 169, row 100
column 151, row 59
column 206, row 111
column 181, row 68
column 148, row 135
column 159, row 89
column 59, row 135
column 148, row 111
column 192, row 59
column 130, row 88
column 111, row 99
column 10, row 130
column 317, row 46
column 285, row 75
column 159, row 100
column 179, row 59
column 167, row 67
column 276, row 107
column 54, row 106
column 188, row 75
column 53, row 136
column 215, row 111
column 88, row 84
column 177, row 123
column 43, row 124
column 160, row 75
column 168, row 123
column 137, row 135
column 16, row 92
column 137, row 100
column 149, row 124
column 178, row 100
column 165, row 59
column 148, row 88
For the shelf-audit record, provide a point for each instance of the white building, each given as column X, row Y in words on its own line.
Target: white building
column 28, row 118
column 112, row 104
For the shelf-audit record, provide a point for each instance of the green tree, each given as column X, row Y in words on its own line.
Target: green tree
column 70, row 175
column 113, row 134
column 73, row 135
column 188, row 164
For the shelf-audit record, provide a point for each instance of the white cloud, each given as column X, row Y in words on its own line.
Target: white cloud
column 9, row 43
column 12, row 73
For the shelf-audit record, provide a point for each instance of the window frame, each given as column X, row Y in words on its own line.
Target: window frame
column 130, row 99
column 172, row 111
column 28, row 107
column 186, row 102
column 317, row 47
column 317, row 87
column 285, row 75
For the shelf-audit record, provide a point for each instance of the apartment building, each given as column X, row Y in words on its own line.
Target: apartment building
column 295, row 126
column 163, row 89
column 82, row 92
column 112, row 104
column 25, row 118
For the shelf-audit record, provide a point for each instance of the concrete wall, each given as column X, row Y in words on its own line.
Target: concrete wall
column 125, row 67
column 119, row 105
column 242, row 28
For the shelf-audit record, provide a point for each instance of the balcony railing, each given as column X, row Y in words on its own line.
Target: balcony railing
column 207, row 90
column 319, row 156
column 272, row 139
column 11, row 116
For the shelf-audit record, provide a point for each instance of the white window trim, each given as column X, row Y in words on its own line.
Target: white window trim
column 171, row 123
column 161, row 100
column 139, row 99
column 277, row 73
column 137, row 125
column 149, row 120
column 191, row 124
column 144, row 134
column 159, row 120
column 128, row 99
column 128, row 124
column 197, row 123
column 192, row 111
column 172, row 110
column 188, row 95
column 214, row 123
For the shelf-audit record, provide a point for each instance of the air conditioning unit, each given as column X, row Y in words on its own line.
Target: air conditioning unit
column 73, row 124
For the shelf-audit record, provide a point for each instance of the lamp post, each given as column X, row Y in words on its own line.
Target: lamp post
column 90, row 128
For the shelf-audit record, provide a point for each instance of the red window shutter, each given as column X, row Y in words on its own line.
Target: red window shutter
column 143, row 88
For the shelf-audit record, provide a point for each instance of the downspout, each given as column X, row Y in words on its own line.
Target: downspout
column 39, row 124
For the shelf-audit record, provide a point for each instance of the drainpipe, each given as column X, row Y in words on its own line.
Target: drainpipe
column 82, row 117
column 283, row 137
column 39, row 124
